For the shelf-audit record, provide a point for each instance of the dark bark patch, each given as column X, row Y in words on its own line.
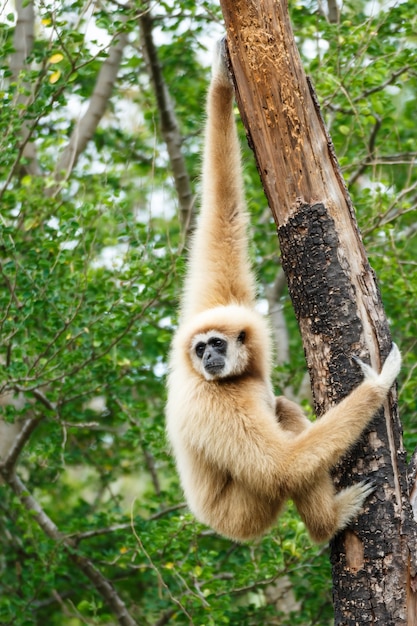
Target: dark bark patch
column 321, row 290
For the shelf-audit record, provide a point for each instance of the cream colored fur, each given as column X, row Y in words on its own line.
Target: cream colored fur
column 240, row 452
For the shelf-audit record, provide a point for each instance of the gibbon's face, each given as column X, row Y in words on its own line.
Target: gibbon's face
column 217, row 355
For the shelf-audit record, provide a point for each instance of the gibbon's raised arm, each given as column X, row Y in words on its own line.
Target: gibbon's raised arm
column 241, row 452
column 219, row 269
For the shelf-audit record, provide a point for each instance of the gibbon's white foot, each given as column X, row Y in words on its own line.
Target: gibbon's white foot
column 241, row 452
column 350, row 501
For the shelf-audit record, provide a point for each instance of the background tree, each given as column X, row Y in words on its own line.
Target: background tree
column 92, row 526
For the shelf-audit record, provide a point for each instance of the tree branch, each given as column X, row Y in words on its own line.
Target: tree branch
column 278, row 323
column 8, row 465
column 87, row 125
column 23, row 39
column 96, row 532
column 169, row 124
column 371, row 152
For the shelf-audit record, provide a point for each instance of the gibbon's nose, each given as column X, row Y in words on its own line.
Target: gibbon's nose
column 208, row 353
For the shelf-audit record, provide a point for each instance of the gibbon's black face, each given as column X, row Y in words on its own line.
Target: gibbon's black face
column 216, row 355
column 213, row 354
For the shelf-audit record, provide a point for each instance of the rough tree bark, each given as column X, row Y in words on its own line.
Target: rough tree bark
column 336, row 300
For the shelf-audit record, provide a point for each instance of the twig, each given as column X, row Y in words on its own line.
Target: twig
column 77, row 537
column 161, row 581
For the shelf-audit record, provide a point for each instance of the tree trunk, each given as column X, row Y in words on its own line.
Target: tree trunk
column 336, row 300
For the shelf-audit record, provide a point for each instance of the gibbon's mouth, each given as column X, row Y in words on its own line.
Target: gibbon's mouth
column 214, row 366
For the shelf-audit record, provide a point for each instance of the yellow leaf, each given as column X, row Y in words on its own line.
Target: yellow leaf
column 46, row 21
column 56, row 58
column 123, row 550
column 169, row 565
column 31, row 223
column 54, row 77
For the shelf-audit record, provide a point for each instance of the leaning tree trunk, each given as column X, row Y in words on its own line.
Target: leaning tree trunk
column 336, row 301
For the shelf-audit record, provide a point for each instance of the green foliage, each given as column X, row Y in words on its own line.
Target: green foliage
column 90, row 269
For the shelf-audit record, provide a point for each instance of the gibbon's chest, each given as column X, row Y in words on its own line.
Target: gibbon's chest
column 214, row 400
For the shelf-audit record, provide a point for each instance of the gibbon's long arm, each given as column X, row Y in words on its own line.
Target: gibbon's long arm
column 219, row 270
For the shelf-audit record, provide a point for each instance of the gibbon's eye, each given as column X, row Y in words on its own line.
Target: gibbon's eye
column 242, row 336
column 199, row 349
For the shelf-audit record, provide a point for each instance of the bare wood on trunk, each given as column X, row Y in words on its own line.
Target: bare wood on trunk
column 336, row 300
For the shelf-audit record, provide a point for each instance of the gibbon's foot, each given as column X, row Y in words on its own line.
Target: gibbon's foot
column 389, row 372
column 350, row 501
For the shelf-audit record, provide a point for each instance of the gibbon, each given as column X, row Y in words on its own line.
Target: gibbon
column 241, row 452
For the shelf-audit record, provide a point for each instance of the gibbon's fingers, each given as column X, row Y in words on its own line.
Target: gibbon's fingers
column 389, row 372
column 219, row 68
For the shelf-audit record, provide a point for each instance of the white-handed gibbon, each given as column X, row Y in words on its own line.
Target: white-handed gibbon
column 241, row 452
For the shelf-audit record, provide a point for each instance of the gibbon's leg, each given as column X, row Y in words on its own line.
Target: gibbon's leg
column 290, row 416
column 219, row 269
column 241, row 514
column 324, row 511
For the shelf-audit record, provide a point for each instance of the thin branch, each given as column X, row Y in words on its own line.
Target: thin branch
column 371, row 152
column 165, row 617
column 333, row 11
column 392, row 213
column 365, row 94
column 149, row 459
column 161, row 581
column 96, row 532
column 8, row 465
column 169, row 124
column 279, row 325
